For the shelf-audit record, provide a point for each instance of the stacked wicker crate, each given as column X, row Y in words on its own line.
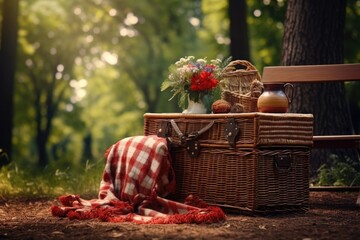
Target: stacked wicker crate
column 253, row 162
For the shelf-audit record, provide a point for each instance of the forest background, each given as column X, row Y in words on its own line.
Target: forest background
column 87, row 71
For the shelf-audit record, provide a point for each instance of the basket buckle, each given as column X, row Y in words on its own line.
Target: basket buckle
column 232, row 131
column 283, row 162
column 191, row 144
column 193, row 148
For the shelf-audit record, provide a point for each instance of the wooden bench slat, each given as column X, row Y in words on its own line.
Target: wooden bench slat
column 337, row 141
column 311, row 73
column 334, row 188
column 336, row 137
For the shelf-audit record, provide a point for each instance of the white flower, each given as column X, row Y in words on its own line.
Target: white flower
column 184, row 61
column 201, row 61
column 216, row 61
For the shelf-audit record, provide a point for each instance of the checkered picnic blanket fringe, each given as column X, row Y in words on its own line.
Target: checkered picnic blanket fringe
column 137, row 177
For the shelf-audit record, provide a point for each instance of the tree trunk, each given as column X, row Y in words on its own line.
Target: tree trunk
column 314, row 34
column 7, row 71
column 239, row 46
column 87, row 148
column 44, row 114
column 41, row 147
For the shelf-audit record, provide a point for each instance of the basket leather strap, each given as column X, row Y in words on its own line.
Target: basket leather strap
column 193, row 134
column 232, row 131
column 190, row 140
column 176, row 129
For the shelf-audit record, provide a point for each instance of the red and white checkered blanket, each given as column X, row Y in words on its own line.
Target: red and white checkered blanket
column 137, row 177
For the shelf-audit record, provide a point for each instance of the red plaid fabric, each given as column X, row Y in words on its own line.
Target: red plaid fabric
column 137, row 177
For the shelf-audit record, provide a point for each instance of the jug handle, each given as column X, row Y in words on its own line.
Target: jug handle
column 289, row 90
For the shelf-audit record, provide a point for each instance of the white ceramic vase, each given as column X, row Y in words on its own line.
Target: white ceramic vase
column 195, row 107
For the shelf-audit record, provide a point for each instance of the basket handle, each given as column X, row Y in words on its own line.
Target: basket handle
column 231, row 67
column 193, row 135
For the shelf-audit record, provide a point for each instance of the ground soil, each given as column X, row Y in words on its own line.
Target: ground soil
column 331, row 216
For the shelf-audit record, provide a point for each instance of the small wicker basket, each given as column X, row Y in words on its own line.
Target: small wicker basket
column 248, row 102
column 239, row 80
column 238, row 85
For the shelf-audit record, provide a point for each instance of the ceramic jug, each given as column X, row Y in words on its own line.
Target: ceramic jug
column 274, row 99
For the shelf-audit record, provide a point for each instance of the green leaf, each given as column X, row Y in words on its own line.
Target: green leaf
column 165, row 85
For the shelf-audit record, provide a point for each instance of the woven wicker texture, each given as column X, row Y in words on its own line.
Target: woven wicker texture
column 244, row 180
column 239, row 80
column 247, row 101
column 256, row 129
column 266, row 172
column 237, row 85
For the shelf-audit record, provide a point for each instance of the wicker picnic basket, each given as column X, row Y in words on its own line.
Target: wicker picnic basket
column 241, row 86
column 252, row 162
column 245, row 180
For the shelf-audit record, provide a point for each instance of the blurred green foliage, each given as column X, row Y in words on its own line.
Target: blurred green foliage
column 339, row 173
column 266, row 24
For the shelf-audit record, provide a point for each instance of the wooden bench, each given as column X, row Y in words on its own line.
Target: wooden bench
column 316, row 74
column 313, row 74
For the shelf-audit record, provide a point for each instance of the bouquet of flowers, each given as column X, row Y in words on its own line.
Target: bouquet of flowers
column 195, row 79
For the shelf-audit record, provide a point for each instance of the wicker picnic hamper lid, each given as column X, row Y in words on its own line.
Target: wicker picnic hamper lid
column 255, row 129
column 228, row 115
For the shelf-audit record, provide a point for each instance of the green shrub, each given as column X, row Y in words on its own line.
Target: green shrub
column 338, row 173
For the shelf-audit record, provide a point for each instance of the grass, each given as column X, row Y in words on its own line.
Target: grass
column 16, row 180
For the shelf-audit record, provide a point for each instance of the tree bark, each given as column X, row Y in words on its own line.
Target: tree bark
column 314, row 34
column 7, row 71
column 239, row 46
column 87, row 148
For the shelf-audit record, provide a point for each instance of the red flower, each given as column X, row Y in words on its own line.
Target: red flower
column 203, row 81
